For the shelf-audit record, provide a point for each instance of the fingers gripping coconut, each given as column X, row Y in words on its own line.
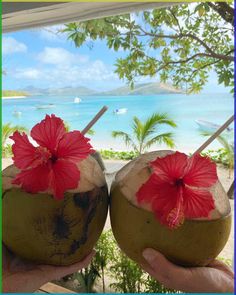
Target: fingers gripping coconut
column 173, row 203
column 55, row 197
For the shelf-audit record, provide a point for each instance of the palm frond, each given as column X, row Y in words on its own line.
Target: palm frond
column 222, row 140
column 228, row 146
column 137, row 128
column 145, row 133
column 152, row 123
column 166, row 138
column 8, row 130
column 126, row 137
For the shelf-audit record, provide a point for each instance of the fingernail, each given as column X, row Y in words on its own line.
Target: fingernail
column 149, row 254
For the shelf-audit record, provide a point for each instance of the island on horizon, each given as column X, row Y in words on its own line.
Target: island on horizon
column 139, row 89
column 6, row 94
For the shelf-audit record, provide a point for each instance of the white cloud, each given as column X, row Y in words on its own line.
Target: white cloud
column 60, row 76
column 60, row 57
column 77, row 74
column 51, row 33
column 60, row 67
column 11, row 45
column 27, row 73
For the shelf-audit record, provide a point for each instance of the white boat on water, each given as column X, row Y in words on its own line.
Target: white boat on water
column 120, row 111
column 17, row 113
column 210, row 127
column 77, row 100
column 45, row 106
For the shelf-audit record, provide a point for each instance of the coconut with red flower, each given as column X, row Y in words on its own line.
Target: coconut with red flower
column 173, row 203
column 55, row 197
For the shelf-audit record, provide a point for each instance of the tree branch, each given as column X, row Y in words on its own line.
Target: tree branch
column 176, row 19
column 203, row 67
column 224, row 10
column 181, row 61
column 189, row 35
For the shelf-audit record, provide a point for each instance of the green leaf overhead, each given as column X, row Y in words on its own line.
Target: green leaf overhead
column 180, row 44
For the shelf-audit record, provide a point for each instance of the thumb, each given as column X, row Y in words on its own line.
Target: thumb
column 156, row 260
column 163, row 270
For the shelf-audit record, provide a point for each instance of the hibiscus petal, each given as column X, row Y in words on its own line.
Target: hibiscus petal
column 64, row 176
column 162, row 196
column 48, row 132
column 200, row 172
column 147, row 192
column 33, row 180
column 170, row 167
column 24, row 152
column 74, row 146
column 197, row 203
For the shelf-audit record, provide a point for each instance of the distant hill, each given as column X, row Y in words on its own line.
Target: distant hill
column 144, row 89
column 77, row 91
column 140, row 89
column 9, row 93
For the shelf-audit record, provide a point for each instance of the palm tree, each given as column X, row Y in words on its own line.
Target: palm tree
column 145, row 134
column 228, row 147
column 8, row 130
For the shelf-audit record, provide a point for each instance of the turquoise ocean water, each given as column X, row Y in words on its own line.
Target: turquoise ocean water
column 184, row 109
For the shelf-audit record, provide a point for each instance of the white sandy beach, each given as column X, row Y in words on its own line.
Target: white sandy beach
column 119, row 146
column 13, row 97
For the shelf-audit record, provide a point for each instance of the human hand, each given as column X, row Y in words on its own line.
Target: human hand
column 214, row 278
column 22, row 277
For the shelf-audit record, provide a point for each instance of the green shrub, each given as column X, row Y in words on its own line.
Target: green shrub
column 218, row 156
column 105, row 249
column 152, row 286
column 7, row 151
column 114, row 155
column 9, row 93
column 225, row 260
column 127, row 274
column 88, row 276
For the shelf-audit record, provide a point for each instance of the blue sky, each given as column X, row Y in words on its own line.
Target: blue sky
column 43, row 59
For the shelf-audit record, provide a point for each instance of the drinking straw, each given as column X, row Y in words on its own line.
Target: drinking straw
column 217, row 133
column 230, row 192
column 94, row 120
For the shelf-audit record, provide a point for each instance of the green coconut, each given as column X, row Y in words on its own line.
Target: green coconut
column 41, row 229
column 195, row 243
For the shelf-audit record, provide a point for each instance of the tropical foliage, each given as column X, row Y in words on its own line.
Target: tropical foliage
column 227, row 153
column 8, row 129
column 145, row 134
column 181, row 43
column 124, row 155
column 123, row 274
column 7, row 151
column 9, row 93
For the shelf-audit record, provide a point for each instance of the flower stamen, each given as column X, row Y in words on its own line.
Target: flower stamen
column 179, row 182
column 54, row 159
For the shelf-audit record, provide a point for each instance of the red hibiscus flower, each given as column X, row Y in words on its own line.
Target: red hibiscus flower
column 177, row 188
column 51, row 166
